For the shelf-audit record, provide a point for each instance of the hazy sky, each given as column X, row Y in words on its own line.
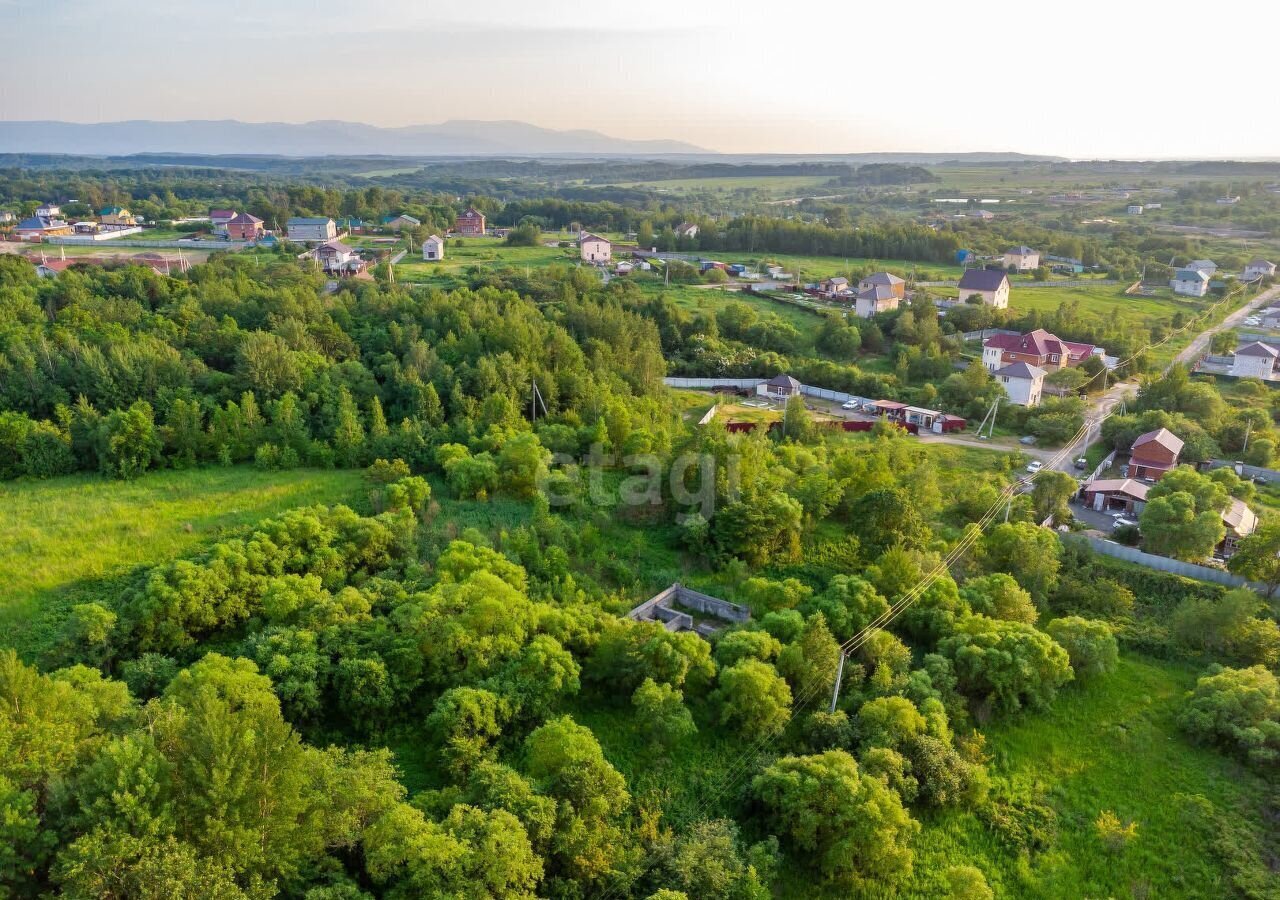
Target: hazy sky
column 1084, row 79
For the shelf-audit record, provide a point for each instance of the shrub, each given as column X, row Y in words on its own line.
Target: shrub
column 1090, row 645
column 1238, row 709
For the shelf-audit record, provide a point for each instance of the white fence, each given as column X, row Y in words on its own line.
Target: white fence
column 1172, row 566
column 97, row 238
column 1102, row 467
column 704, row 384
column 179, row 244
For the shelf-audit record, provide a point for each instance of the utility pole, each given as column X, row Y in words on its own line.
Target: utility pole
column 835, row 691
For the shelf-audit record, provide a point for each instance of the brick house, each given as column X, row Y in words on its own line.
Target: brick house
column 470, row 223
column 218, row 219
column 1153, row 454
column 1037, row 348
column 594, row 249
column 245, row 227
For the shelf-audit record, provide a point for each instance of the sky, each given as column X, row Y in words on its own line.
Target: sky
column 1113, row 79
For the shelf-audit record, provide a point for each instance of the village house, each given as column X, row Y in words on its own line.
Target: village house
column 245, row 227
column 117, row 216
column 1270, row 317
column 218, row 219
column 1153, row 454
column 1191, row 282
column 433, row 248
column 336, row 258
column 896, row 285
column 1207, row 266
column 594, row 249
column 1038, row 348
column 1134, row 209
column 1021, row 259
column 991, row 286
column 687, row 230
column 37, row 227
column 470, row 223
column 1240, row 522
column 1259, row 268
column 1255, row 360
column 1115, row 495
column 317, row 229
column 1023, row 383
column 876, row 299
column 837, row 285
column 48, row 211
column 86, row 227
column 779, row 387
column 400, row 222
column 6, row 217
column 623, row 268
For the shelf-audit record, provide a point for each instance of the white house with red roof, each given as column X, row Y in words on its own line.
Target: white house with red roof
column 1255, row 360
column 1038, row 348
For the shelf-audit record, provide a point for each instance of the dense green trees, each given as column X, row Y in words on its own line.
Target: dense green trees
column 1239, row 709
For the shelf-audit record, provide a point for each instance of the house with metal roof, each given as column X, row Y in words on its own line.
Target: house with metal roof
column 1240, row 522
column 1255, row 360
column 875, row 299
column 779, row 387
column 1115, row 495
column 1038, row 348
column 896, row 285
column 1021, row 259
column 989, row 286
column 1023, row 383
column 1190, row 282
column 305, row 229
column 1259, row 268
column 1153, row 454
column 433, row 248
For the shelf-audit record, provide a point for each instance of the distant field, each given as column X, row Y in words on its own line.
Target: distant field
column 814, row 268
column 69, row 539
column 777, row 185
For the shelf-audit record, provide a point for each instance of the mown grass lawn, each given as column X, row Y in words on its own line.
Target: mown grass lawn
column 460, row 254
column 72, row 539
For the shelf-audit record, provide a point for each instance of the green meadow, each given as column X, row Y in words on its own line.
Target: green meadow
column 69, row 540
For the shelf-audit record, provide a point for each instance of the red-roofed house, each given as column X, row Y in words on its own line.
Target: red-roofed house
column 245, row 227
column 1153, row 454
column 219, row 218
column 470, row 223
column 1036, row 348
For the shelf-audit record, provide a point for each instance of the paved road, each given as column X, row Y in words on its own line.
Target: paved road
column 1201, row 342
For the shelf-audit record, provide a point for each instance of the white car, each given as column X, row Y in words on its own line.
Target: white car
column 1034, row 466
column 850, row 404
column 1122, row 522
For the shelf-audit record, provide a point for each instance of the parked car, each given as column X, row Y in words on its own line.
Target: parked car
column 849, row 404
column 1081, row 463
column 1034, row 466
column 1122, row 522
column 1028, row 440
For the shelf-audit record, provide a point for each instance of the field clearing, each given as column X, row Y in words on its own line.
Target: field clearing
column 779, row 185
column 490, row 253
column 814, row 268
column 709, row 300
column 68, row 540
column 1113, row 745
column 1107, row 302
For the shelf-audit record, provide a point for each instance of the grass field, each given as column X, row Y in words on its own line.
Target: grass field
column 486, row 252
column 775, row 186
column 69, row 539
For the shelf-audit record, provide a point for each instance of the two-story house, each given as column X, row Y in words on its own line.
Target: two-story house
column 990, row 286
column 1153, row 454
column 1037, row 348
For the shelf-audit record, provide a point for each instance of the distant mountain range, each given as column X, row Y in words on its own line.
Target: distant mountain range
column 330, row 138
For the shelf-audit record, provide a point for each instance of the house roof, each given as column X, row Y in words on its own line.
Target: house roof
column 783, row 381
column 1135, row 489
column 1257, row 348
column 337, row 246
column 1020, row 370
column 1202, row 264
column 1040, row 343
column 1239, row 518
column 839, row 279
column 112, row 211
column 245, row 219
column 884, row 278
column 1190, row 275
column 588, row 236
column 1021, row 251
column 434, row 239
column 889, row 404
column 982, row 280
column 472, row 213
column 222, row 213
column 310, row 220
column 878, row 292
column 40, row 223
column 408, row 218
column 1162, row 437
column 1260, row 263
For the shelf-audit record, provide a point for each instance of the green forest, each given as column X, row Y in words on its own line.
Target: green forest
column 338, row 603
